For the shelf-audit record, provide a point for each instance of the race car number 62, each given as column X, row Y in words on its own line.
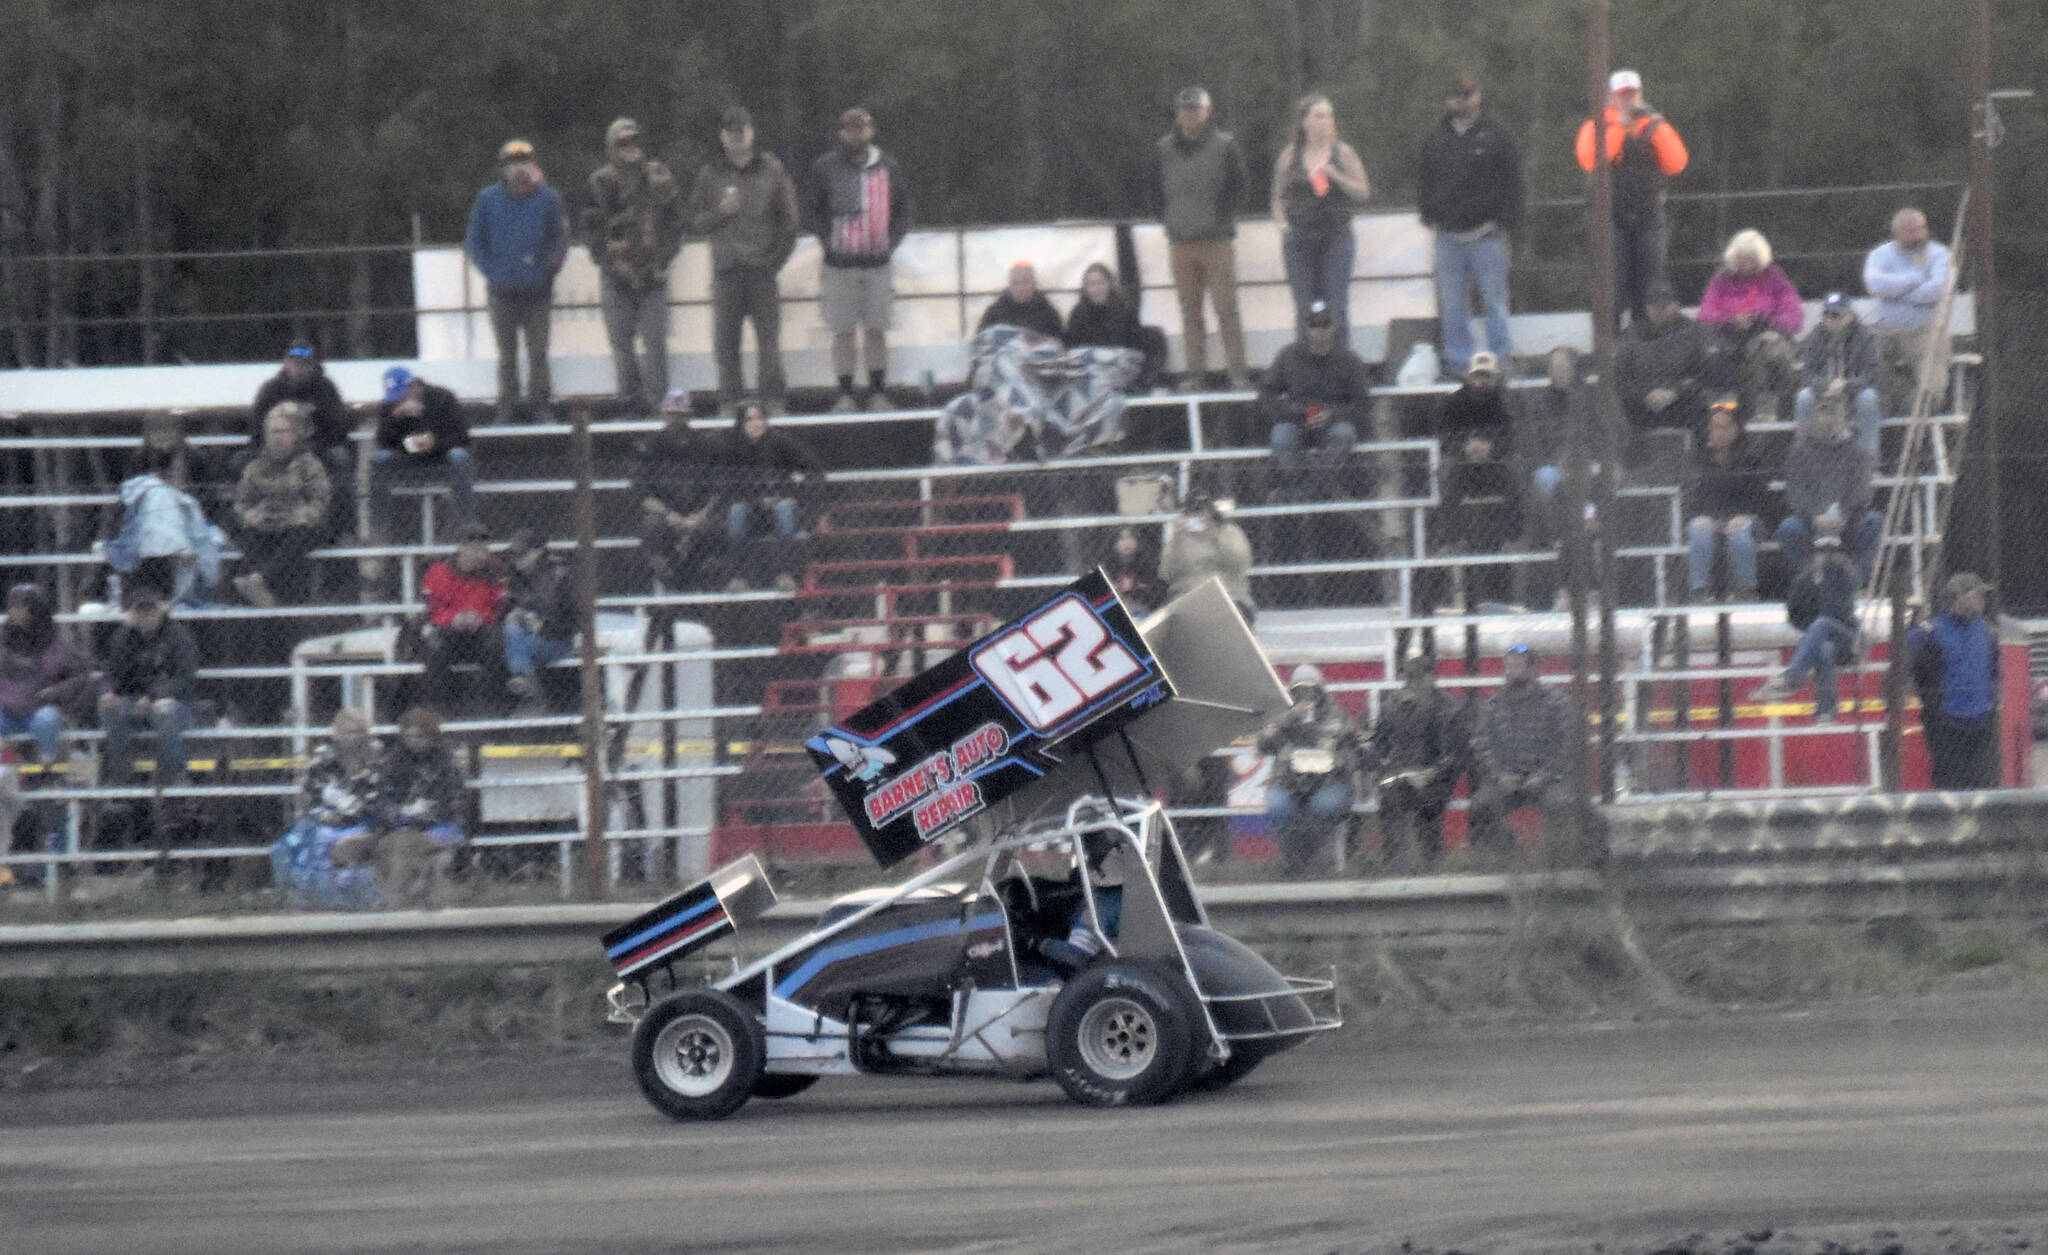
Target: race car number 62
column 1051, row 666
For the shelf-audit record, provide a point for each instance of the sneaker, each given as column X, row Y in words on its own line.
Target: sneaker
column 736, row 585
column 878, row 402
column 1742, row 594
column 521, row 686
column 1772, row 690
column 1238, row 381
column 778, row 409
column 504, row 415
column 1189, row 383
column 255, row 591
column 785, row 582
column 542, row 412
column 1825, row 717
column 846, row 404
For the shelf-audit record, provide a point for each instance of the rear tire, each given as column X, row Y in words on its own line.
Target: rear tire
column 1120, row 1034
column 782, row 1084
column 698, row 1055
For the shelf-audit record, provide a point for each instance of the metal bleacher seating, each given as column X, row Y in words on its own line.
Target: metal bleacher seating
column 906, row 561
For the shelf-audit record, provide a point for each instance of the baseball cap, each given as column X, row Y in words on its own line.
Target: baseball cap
column 1836, row 302
column 303, row 350
column 1625, row 81
column 1483, row 363
column 1962, row 584
column 1319, row 315
column 473, row 531
column 856, row 116
column 676, row 402
column 1306, row 673
column 396, row 381
column 736, row 118
column 1464, row 85
column 515, row 150
column 1192, row 98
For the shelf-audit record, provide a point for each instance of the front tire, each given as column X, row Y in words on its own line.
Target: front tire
column 782, row 1084
column 1120, row 1034
column 698, row 1055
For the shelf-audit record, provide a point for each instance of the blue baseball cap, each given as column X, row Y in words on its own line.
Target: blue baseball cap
column 396, row 381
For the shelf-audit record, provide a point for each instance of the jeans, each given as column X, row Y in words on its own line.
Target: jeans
column 739, row 521
column 526, row 649
column 1638, row 265
column 1825, row 645
column 1702, row 536
column 1319, row 269
column 1795, row 541
column 514, row 314
column 1290, row 440
column 627, row 314
column 740, row 293
column 1305, row 824
column 1867, row 417
column 390, row 468
column 1460, row 266
column 168, row 728
column 45, row 727
column 1207, row 266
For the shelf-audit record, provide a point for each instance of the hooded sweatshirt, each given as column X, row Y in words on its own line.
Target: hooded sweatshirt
column 857, row 206
column 632, row 217
column 39, row 666
column 517, row 237
column 756, row 465
column 1767, row 293
column 331, row 422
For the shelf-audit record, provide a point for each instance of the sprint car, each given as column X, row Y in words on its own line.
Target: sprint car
column 1075, row 948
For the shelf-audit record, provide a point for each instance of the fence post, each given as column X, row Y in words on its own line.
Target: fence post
column 1894, row 692
column 592, row 678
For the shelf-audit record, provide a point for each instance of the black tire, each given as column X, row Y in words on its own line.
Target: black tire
column 698, row 1055
column 1232, row 1070
column 782, row 1084
column 1120, row 1034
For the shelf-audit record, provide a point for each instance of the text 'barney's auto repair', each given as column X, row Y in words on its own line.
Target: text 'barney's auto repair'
column 937, row 775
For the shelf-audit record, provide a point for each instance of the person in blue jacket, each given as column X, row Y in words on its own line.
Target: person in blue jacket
column 1955, row 671
column 518, row 237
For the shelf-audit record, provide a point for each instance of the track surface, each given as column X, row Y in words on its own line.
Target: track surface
column 1474, row 1139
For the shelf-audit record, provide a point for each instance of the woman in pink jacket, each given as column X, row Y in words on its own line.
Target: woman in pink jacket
column 1753, row 311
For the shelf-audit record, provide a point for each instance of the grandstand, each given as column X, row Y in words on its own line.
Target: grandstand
column 711, row 693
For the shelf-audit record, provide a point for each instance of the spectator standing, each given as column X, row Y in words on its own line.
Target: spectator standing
column 1906, row 274
column 1644, row 150
column 1316, row 750
column 1318, row 184
column 1481, row 502
column 745, row 204
column 542, row 617
column 1417, row 749
column 1729, row 492
column 152, row 666
column 416, row 815
column 858, row 207
column 1753, row 312
column 1956, row 673
column 465, row 614
column 1315, row 394
column 1104, row 316
column 1199, row 186
column 677, row 471
column 1021, row 304
column 421, row 437
column 280, row 508
column 1521, row 747
column 1822, row 605
column 765, row 467
column 1838, row 366
column 1202, row 541
column 1663, row 368
column 1828, row 491
column 1472, row 197
column 42, row 672
column 632, row 223
column 517, row 238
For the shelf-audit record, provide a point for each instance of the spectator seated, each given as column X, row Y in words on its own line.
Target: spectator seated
column 151, row 669
column 766, row 469
column 416, row 814
column 1822, row 605
column 1838, row 366
column 422, row 437
column 1729, row 493
column 1022, row 305
column 1754, row 315
column 464, row 623
column 1828, row 491
column 281, row 510
column 1105, row 317
column 1314, row 395
column 334, row 805
column 541, row 618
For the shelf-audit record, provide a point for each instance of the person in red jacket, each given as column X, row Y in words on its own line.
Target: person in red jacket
column 465, row 612
column 1644, row 149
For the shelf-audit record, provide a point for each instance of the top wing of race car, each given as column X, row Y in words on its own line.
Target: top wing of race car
column 1071, row 699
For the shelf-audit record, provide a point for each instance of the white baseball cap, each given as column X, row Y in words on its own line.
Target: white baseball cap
column 1625, row 81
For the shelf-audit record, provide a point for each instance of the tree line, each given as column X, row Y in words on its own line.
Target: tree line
column 131, row 127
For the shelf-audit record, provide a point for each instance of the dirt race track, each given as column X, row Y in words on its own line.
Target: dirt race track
column 1868, row 1128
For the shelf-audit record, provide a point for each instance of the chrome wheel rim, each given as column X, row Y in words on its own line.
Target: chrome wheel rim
column 1118, row 1038
column 693, row 1055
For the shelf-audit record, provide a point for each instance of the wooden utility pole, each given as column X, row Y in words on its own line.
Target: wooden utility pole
column 1984, row 274
column 1594, row 440
column 592, row 678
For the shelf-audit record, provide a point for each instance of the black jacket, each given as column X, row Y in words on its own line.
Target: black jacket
column 1110, row 325
column 1850, row 356
column 1830, row 591
column 1472, row 412
column 770, row 463
column 1524, row 728
column 1649, row 357
column 418, row 788
column 331, row 421
column 1724, row 489
column 839, row 208
column 1471, row 179
column 678, row 469
column 1414, row 733
column 547, row 592
column 1821, row 475
column 1338, row 381
column 163, row 664
column 1036, row 314
column 439, row 415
